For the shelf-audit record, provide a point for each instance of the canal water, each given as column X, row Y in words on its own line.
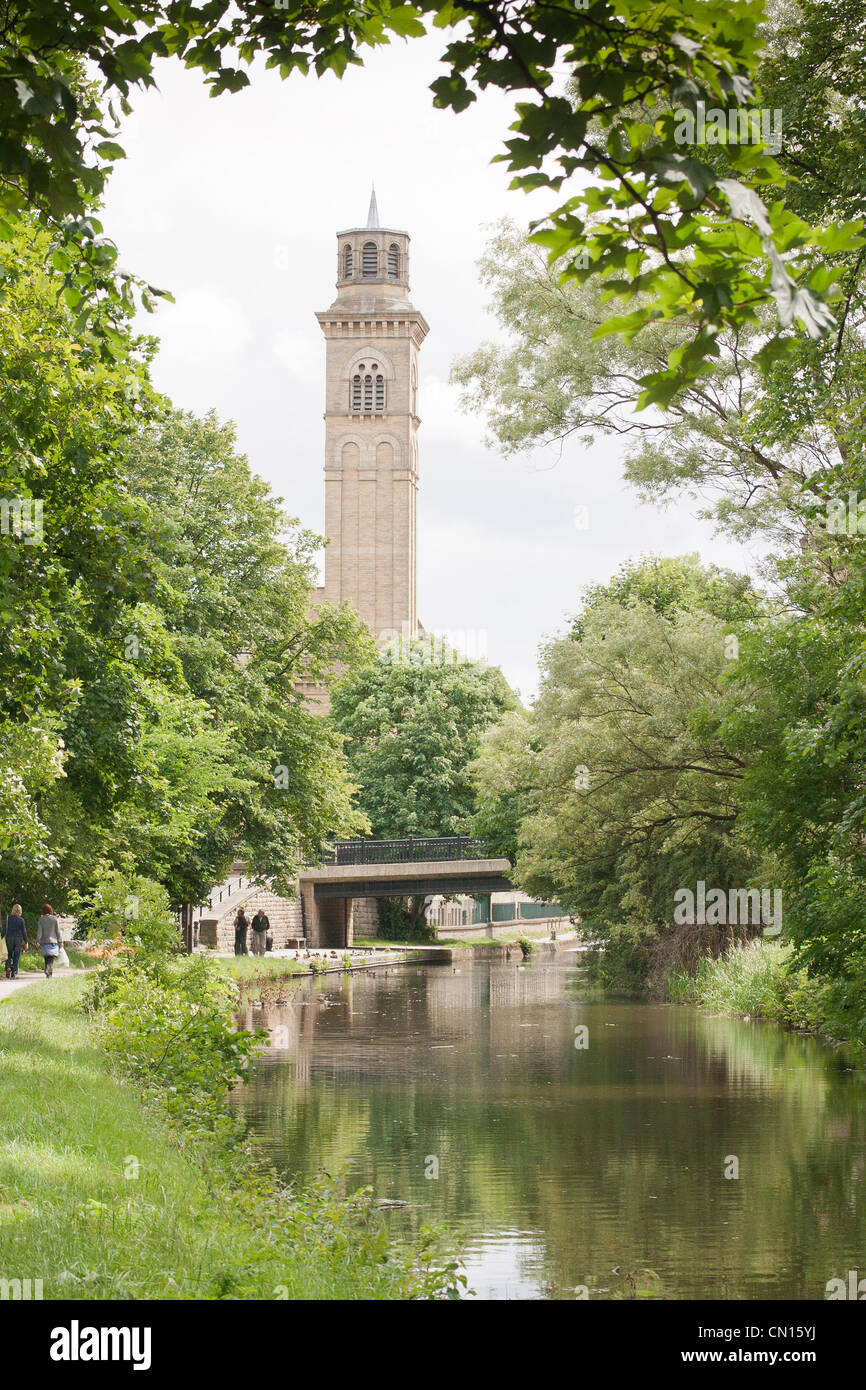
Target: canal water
column 611, row 1147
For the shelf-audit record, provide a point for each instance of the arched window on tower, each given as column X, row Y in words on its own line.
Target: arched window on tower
column 347, row 262
column 393, row 261
column 369, row 259
column 367, row 392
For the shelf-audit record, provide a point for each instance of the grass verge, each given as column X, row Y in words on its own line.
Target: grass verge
column 103, row 1199
column 751, row 980
column 250, row 968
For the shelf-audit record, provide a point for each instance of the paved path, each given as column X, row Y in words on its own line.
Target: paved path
column 30, row 977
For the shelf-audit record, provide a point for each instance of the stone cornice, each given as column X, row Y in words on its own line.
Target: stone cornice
column 395, row 323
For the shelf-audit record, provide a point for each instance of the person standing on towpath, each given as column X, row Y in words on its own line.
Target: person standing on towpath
column 241, row 925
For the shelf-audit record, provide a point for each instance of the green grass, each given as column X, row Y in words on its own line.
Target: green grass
column 760, row 981
column 251, row 968
column 749, row 980
column 72, row 1214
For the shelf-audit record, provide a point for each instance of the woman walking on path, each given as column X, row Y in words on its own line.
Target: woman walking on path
column 15, row 933
column 241, row 925
column 48, row 938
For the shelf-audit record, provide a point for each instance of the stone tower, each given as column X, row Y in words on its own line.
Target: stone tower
column 373, row 335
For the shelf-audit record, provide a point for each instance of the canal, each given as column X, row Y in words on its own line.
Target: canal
column 581, row 1147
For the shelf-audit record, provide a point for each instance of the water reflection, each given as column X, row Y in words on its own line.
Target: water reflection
column 564, row 1166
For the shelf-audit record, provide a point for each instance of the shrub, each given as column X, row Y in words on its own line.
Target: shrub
column 402, row 919
column 127, row 909
column 763, row 980
column 170, row 1026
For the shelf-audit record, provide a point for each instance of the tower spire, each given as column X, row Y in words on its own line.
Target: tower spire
column 373, row 214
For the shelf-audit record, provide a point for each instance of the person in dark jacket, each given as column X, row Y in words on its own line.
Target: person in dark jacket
column 241, row 925
column 15, row 934
column 261, row 927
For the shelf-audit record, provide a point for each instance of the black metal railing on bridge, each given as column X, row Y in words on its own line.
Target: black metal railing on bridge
column 415, row 849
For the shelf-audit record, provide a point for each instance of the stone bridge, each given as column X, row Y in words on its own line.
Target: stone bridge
column 391, row 869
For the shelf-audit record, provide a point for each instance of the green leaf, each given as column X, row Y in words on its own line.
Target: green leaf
column 109, row 149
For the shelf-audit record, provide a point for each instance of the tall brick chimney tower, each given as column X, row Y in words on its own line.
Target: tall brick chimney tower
column 374, row 335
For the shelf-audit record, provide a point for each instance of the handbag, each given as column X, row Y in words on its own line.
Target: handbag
column 62, row 957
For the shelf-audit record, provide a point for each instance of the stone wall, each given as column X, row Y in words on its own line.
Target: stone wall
column 366, row 917
column 284, row 914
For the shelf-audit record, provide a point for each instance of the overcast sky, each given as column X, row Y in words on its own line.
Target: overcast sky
column 233, row 205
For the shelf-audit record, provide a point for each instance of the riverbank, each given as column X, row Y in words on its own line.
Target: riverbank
column 252, row 972
column 103, row 1199
column 484, row 947
column 760, row 981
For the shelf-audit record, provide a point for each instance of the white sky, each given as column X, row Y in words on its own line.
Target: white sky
column 233, row 205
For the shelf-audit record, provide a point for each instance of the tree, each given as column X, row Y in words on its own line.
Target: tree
column 411, row 725
column 676, row 234
column 627, row 790
column 72, row 563
column 754, row 441
column 237, row 575
column 30, row 760
column 503, row 783
column 67, row 538
column 780, row 455
column 147, row 768
column 800, row 734
column 155, row 602
column 754, row 447
column 106, row 752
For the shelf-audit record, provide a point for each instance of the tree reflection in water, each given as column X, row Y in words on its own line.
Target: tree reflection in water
column 564, row 1164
